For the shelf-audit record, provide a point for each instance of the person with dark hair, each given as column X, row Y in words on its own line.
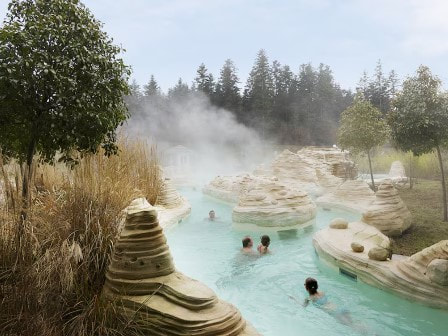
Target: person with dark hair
column 321, row 301
column 265, row 241
column 211, row 215
column 247, row 245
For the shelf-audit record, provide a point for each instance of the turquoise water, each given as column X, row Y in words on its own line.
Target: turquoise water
column 259, row 287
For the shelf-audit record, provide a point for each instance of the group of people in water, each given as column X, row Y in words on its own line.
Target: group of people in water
column 262, row 248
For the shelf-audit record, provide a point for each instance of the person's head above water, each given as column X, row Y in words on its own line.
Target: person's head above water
column 247, row 242
column 265, row 240
column 212, row 214
column 311, row 285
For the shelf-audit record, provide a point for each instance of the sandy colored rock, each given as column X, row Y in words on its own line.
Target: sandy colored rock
column 405, row 276
column 351, row 194
column 378, row 253
column 388, row 213
column 397, row 170
column 339, row 223
column 438, row 271
column 143, row 278
column 357, row 247
column 272, row 204
column 231, row 188
column 168, row 196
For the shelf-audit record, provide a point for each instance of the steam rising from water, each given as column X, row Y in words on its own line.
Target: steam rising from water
column 220, row 144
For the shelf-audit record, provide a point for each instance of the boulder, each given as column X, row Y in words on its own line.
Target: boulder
column 388, row 213
column 168, row 196
column 438, row 271
column 339, row 223
column 273, row 204
column 357, row 247
column 379, row 253
column 143, row 279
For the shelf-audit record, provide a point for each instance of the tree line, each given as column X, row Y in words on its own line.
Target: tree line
column 300, row 108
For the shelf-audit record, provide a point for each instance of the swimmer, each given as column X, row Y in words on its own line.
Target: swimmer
column 263, row 248
column 321, row 301
column 211, row 215
column 247, row 245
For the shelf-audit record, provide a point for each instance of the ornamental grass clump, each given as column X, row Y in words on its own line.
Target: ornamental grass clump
column 51, row 283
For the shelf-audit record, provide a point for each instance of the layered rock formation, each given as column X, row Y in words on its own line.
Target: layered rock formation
column 231, row 188
column 171, row 206
column 351, row 194
column 143, row 279
column 397, row 174
column 388, row 213
column 272, row 204
column 420, row 277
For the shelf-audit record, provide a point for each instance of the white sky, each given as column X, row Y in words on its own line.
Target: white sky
column 170, row 38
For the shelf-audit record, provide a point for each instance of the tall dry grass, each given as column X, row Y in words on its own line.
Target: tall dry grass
column 51, row 284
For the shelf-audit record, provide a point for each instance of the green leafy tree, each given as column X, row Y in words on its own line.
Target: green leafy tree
column 362, row 129
column 62, row 83
column 227, row 90
column 419, row 121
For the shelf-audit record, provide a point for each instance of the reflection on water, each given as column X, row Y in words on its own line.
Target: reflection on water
column 261, row 286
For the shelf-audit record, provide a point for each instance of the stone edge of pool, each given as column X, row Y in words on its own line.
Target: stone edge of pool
column 403, row 276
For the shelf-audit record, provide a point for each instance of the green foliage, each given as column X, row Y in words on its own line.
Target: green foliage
column 227, row 90
column 362, row 127
column 204, row 81
column 420, row 117
column 152, row 88
column 61, row 81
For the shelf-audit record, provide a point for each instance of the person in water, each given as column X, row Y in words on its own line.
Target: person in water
column 247, row 245
column 263, row 248
column 320, row 300
column 211, row 215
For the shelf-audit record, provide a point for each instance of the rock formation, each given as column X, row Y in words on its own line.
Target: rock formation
column 351, row 194
column 397, row 174
column 231, row 188
column 143, row 279
column 272, row 204
column 339, row 223
column 387, row 212
column 168, row 197
column 422, row 277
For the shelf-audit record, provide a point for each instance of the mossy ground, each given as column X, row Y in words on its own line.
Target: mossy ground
column 425, row 203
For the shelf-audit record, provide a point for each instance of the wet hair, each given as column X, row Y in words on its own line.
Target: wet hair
column 246, row 241
column 265, row 241
column 311, row 285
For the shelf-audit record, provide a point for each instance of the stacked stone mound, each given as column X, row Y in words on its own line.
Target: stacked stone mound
column 168, row 197
column 231, row 188
column 388, row 213
column 273, row 204
column 296, row 169
column 353, row 194
column 397, row 174
column 142, row 278
column 336, row 160
column 425, row 266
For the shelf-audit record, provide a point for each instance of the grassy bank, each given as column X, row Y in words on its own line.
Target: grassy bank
column 52, row 270
column 425, row 203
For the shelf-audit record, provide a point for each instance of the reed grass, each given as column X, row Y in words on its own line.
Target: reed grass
column 51, row 283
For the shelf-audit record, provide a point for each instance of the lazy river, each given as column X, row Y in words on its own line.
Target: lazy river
column 259, row 287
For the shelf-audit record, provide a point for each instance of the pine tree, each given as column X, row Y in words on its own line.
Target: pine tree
column 152, row 88
column 204, row 81
column 227, row 91
column 259, row 93
column 179, row 91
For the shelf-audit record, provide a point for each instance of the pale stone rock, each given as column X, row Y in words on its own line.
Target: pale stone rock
column 438, row 271
column 357, row 247
column 272, row 204
column 339, row 223
column 388, row 212
column 397, row 170
column 231, row 188
column 378, row 253
column 143, row 279
column 351, row 194
column 168, row 197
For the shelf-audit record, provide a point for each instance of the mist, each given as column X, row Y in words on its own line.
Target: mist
column 219, row 143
